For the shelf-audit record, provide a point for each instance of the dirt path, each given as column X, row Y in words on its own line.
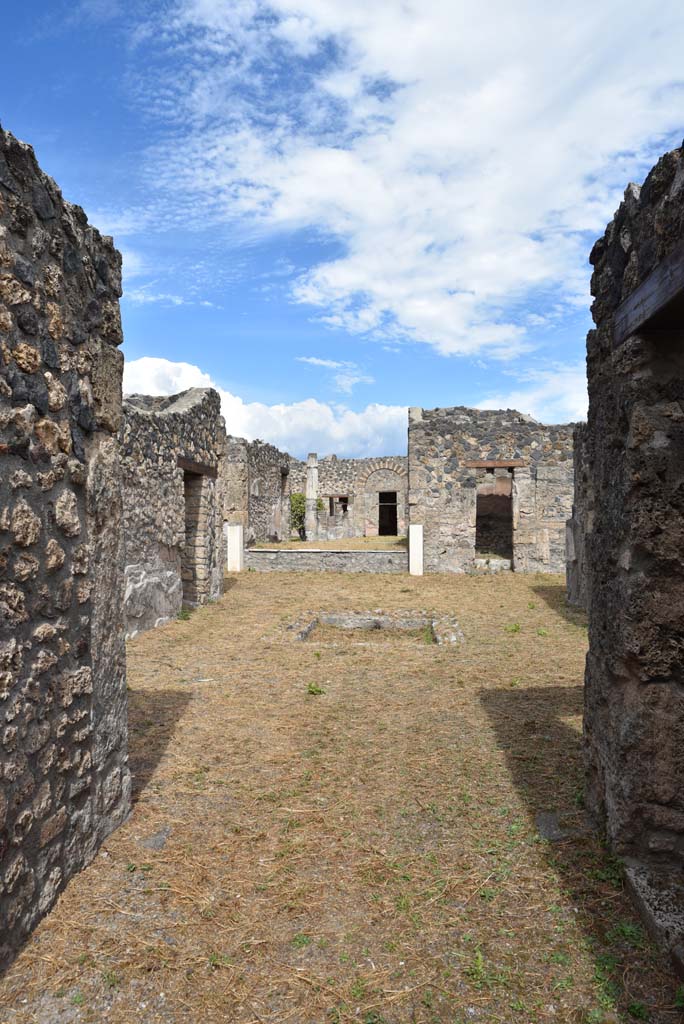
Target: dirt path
column 368, row 853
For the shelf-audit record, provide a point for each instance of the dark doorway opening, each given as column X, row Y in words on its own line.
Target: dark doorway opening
column 494, row 524
column 387, row 514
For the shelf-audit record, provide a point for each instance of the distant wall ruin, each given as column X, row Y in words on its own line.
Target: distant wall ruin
column 256, row 489
column 65, row 782
column 479, row 479
column 634, row 704
column 172, row 454
column 355, row 497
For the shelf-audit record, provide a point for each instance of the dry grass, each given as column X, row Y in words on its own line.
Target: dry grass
column 346, row 544
column 365, row 854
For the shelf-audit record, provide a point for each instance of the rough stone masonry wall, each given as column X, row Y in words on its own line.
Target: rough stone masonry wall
column 257, row 489
column 580, row 524
column 64, row 780
column 361, row 481
column 173, row 519
column 443, row 490
column 634, row 697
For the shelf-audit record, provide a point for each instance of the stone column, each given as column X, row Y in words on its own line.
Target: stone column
column 416, row 549
column 235, row 547
column 311, row 515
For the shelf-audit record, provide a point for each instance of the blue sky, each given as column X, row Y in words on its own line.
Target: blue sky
column 331, row 210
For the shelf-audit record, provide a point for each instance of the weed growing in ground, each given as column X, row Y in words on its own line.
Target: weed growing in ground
column 301, row 940
column 512, row 627
column 184, row 614
column 314, row 689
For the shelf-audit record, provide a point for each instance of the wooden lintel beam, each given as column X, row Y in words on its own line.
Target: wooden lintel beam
column 494, row 463
column 647, row 307
column 198, row 468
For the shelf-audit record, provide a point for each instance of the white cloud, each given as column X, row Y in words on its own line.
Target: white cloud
column 298, row 427
column 143, row 296
column 344, row 382
column 458, row 152
column 554, row 395
column 330, row 364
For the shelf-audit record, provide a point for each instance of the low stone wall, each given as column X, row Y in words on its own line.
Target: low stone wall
column 317, row 560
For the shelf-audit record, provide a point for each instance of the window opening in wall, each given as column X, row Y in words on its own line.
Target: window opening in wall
column 494, row 518
column 190, row 563
column 387, row 514
column 332, row 506
column 344, row 503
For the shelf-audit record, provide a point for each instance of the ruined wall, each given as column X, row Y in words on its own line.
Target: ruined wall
column 361, row 481
column 64, row 780
column 173, row 500
column 443, row 490
column 580, row 524
column 257, row 489
column 634, row 703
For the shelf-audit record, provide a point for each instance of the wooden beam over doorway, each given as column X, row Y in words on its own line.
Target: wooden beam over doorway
column 657, row 304
column 198, row 468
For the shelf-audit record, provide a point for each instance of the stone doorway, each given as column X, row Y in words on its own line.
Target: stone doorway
column 387, row 514
column 494, row 515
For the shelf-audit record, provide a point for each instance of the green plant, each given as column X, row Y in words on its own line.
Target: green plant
column 638, row 1011
column 314, row 689
column 184, row 614
column 514, row 627
column 627, row 932
column 679, row 998
column 297, row 512
column 78, row 999
column 301, row 940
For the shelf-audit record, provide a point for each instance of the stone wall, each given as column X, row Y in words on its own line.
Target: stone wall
column 634, row 705
column 172, row 451
column 64, row 780
column 579, row 525
column 257, row 489
column 326, row 560
column 535, row 469
column 360, row 481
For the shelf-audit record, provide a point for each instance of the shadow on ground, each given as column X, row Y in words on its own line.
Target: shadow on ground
column 554, row 597
column 539, row 730
column 152, row 719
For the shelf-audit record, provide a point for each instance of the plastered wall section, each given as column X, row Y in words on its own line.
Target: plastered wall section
column 64, row 778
